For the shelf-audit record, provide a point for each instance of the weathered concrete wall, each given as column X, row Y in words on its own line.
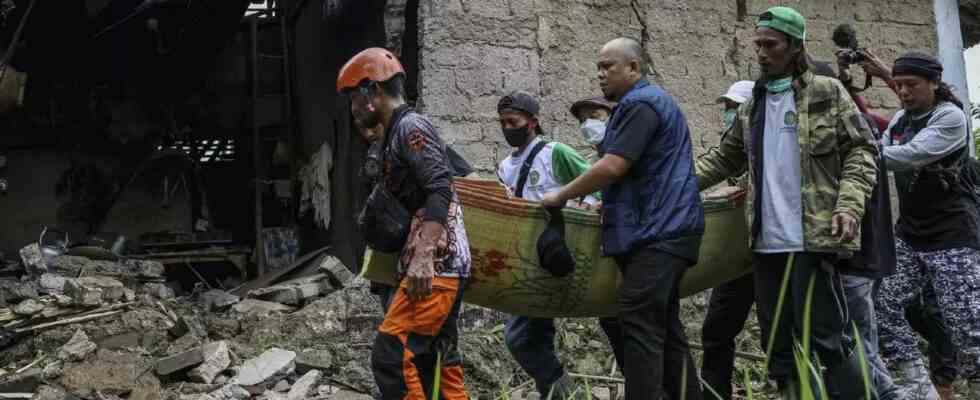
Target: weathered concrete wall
column 474, row 51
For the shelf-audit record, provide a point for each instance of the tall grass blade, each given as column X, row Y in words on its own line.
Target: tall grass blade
column 779, row 307
column 862, row 357
column 438, row 376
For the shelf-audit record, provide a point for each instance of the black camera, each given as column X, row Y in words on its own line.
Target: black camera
column 845, row 37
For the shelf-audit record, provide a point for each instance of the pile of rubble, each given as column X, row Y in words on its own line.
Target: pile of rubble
column 76, row 328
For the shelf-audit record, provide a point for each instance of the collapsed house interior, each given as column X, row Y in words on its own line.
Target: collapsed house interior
column 184, row 131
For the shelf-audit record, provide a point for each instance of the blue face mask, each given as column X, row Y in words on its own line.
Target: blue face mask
column 730, row 116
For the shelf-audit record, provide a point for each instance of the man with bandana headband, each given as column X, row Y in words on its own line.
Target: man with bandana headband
column 937, row 237
column 535, row 168
column 810, row 157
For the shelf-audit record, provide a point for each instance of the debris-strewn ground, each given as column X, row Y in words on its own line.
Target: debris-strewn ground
column 78, row 328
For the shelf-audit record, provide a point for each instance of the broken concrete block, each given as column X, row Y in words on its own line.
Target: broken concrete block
column 14, row 291
column 145, row 268
column 294, row 294
column 52, row 283
column 310, row 359
column 191, row 324
column 216, row 360
column 50, row 392
column 24, row 382
column 181, row 361
column 218, row 299
column 282, row 386
column 94, row 290
column 349, row 395
column 33, row 259
column 159, row 290
column 77, row 348
column 230, row 392
column 304, row 385
column 271, row 365
column 120, row 341
column 28, row 307
column 326, row 390
column 272, row 395
column 52, row 371
column 340, row 275
column 259, row 307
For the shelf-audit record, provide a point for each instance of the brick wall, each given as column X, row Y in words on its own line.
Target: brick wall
column 474, row 51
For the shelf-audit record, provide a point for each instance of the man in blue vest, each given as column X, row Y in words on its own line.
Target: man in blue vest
column 652, row 221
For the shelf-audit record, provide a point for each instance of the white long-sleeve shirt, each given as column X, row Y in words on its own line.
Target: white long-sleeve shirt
column 944, row 133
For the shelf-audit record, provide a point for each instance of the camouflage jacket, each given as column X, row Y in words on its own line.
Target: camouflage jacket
column 837, row 152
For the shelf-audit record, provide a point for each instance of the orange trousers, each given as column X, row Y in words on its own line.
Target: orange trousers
column 414, row 338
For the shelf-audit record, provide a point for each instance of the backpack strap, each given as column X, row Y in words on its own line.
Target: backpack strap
column 526, row 168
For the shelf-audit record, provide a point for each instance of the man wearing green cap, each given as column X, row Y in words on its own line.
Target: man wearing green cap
column 811, row 164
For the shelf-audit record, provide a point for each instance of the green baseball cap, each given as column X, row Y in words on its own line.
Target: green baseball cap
column 785, row 20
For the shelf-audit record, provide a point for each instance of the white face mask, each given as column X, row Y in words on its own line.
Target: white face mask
column 593, row 130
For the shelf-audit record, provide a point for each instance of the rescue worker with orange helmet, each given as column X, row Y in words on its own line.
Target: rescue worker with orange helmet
column 414, row 210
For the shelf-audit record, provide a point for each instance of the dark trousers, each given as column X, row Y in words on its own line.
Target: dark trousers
column 926, row 319
column 532, row 343
column 827, row 313
column 656, row 356
column 728, row 309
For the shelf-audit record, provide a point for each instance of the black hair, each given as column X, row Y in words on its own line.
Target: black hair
column 944, row 92
column 800, row 63
column 394, row 87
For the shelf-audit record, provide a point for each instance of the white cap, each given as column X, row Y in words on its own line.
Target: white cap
column 739, row 92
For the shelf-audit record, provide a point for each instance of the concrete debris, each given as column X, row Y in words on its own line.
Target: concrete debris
column 188, row 324
column 52, row 371
column 139, row 269
column 216, row 360
column 282, row 386
column 326, row 390
column 168, row 365
column 93, row 291
column 13, row 291
column 52, row 283
column 24, row 382
column 50, row 392
column 159, row 291
column 310, row 359
column 218, row 299
column 271, row 365
column 340, row 275
column 304, row 385
column 297, row 292
column 33, row 259
column 349, row 395
column 77, row 348
column 28, row 307
column 259, row 308
column 272, row 395
column 230, row 392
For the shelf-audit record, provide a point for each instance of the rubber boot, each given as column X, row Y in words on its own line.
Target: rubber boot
column 913, row 380
column 566, row 389
column 846, row 381
column 946, row 392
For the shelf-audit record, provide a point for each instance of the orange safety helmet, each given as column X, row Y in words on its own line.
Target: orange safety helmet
column 374, row 64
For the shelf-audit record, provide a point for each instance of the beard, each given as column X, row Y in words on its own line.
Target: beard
column 368, row 119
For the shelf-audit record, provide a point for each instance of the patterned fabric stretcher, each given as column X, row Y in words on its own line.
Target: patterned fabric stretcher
column 503, row 234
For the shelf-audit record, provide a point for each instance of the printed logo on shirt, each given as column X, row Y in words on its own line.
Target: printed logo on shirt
column 534, row 177
column 790, row 119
